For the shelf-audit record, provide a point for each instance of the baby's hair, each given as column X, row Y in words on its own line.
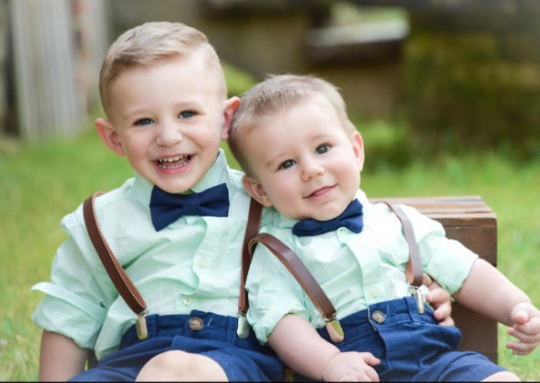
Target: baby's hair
column 274, row 95
column 153, row 41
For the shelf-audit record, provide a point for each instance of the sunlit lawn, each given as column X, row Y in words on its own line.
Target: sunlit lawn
column 39, row 184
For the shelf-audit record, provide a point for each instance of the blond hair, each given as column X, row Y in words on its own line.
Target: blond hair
column 274, row 95
column 153, row 41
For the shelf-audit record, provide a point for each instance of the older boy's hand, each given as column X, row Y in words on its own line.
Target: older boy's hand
column 526, row 328
column 439, row 299
column 351, row 367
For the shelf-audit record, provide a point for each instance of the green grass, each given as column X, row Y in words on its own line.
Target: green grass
column 39, row 184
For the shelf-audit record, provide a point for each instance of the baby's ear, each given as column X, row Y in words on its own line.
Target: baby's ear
column 109, row 136
column 255, row 190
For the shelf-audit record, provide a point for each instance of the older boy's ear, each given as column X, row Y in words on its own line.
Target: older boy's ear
column 109, row 136
column 231, row 105
column 255, row 190
column 358, row 148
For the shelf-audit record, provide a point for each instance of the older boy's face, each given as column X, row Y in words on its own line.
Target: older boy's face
column 307, row 165
column 168, row 119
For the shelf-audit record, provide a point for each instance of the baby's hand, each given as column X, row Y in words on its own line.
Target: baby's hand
column 526, row 328
column 352, row 367
column 439, row 299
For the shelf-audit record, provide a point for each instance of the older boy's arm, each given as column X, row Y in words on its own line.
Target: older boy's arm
column 60, row 358
column 299, row 345
column 489, row 292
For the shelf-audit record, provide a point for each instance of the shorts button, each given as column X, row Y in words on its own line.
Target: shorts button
column 378, row 316
column 195, row 324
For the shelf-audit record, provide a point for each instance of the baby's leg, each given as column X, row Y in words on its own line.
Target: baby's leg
column 178, row 365
column 503, row 376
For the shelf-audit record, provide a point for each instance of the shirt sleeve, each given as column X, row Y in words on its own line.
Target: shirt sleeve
column 74, row 304
column 446, row 260
column 273, row 293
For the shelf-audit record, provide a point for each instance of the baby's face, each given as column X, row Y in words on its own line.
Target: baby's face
column 305, row 163
column 168, row 120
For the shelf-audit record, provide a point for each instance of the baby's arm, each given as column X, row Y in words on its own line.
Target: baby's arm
column 60, row 358
column 301, row 348
column 489, row 292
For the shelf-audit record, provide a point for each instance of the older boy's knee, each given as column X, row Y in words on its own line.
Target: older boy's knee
column 181, row 365
column 503, row 376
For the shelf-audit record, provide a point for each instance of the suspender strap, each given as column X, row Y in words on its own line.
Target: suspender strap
column 295, row 266
column 119, row 278
column 116, row 272
column 414, row 266
column 252, row 229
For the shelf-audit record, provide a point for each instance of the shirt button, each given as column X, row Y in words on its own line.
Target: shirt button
column 195, row 324
column 378, row 316
column 374, row 292
column 203, row 262
column 186, row 300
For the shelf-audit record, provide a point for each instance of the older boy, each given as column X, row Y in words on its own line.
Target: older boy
column 165, row 98
column 303, row 156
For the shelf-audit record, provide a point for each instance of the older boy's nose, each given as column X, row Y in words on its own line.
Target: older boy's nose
column 168, row 135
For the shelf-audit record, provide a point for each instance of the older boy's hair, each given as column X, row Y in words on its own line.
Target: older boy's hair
column 153, row 41
column 274, row 95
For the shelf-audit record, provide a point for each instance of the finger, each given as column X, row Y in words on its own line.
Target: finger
column 372, row 375
column 447, row 322
column 521, row 317
column 519, row 348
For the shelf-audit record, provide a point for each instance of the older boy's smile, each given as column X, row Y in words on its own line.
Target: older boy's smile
column 174, row 162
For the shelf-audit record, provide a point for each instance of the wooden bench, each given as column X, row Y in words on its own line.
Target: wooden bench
column 469, row 220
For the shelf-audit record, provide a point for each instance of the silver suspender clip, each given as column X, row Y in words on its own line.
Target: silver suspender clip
column 140, row 325
column 243, row 326
column 419, row 294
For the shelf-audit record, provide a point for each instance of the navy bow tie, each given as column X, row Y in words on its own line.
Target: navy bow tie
column 167, row 207
column 351, row 218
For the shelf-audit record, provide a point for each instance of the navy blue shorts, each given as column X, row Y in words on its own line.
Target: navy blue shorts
column 241, row 359
column 411, row 346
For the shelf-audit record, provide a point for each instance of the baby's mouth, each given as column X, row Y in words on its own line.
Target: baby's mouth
column 174, row 162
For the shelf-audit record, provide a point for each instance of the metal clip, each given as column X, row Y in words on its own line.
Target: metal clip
column 140, row 325
column 243, row 326
column 419, row 294
column 334, row 329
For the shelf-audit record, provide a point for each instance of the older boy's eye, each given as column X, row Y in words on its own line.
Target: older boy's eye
column 286, row 164
column 144, row 121
column 322, row 148
column 186, row 114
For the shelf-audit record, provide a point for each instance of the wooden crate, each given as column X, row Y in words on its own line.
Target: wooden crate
column 469, row 220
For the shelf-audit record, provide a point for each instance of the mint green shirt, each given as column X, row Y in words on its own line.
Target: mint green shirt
column 354, row 270
column 194, row 263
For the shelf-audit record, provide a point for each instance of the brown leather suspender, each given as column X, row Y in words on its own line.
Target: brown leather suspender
column 134, row 300
column 116, row 272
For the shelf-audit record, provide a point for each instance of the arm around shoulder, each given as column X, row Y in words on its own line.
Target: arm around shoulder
column 60, row 358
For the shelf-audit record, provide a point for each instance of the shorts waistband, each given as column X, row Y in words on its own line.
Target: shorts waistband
column 197, row 324
column 383, row 315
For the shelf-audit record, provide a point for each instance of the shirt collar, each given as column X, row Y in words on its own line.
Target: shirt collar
column 217, row 174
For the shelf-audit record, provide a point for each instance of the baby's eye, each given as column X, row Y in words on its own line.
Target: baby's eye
column 187, row 114
column 286, row 164
column 322, row 148
column 144, row 121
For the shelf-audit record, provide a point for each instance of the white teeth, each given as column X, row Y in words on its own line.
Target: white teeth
column 174, row 162
column 170, row 159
